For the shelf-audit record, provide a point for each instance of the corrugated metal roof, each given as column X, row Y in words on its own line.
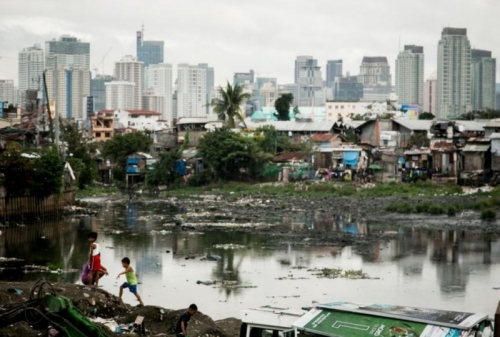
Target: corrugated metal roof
column 283, row 126
column 494, row 123
column 418, row 125
column 320, row 137
column 475, row 126
column 196, row 120
column 495, row 135
column 476, row 148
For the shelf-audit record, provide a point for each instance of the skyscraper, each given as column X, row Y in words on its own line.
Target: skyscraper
column 160, row 80
column 454, row 79
column 210, row 83
column 68, row 51
column 430, row 94
column 300, row 61
column 7, row 91
column 68, row 87
column 31, row 65
column 348, row 89
column 498, row 96
column 311, row 84
column 243, row 78
column 191, row 90
column 131, row 70
column 483, row 78
column 333, row 71
column 98, row 90
column 375, row 71
column 120, row 95
column 149, row 52
column 410, row 75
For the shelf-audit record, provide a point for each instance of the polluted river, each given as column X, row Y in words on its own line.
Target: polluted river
column 287, row 260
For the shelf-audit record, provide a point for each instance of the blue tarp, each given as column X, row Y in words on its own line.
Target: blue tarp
column 351, row 158
column 180, row 167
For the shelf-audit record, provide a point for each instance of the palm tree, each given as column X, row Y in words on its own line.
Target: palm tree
column 229, row 105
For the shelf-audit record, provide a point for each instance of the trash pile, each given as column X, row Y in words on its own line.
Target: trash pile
column 339, row 273
column 226, row 284
column 230, row 246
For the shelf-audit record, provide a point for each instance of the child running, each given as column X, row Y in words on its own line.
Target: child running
column 95, row 260
column 131, row 283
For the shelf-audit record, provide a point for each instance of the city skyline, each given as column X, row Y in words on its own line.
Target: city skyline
column 234, row 50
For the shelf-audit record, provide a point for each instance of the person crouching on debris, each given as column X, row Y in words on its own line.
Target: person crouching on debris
column 131, row 283
column 95, row 260
column 182, row 322
column 86, row 272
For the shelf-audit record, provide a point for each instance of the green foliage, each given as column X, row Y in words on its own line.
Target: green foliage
column 418, row 140
column 228, row 107
column 426, row 116
column 122, row 146
column 483, row 114
column 271, row 141
column 400, row 208
column 452, row 210
column 489, row 214
column 282, row 106
column 230, row 156
column 163, row 173
column 199, row 179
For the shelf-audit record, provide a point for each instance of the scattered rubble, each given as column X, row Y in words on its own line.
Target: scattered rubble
column 226, row 284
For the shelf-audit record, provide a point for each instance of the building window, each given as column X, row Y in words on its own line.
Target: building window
column 98, row 135
column 107, row 135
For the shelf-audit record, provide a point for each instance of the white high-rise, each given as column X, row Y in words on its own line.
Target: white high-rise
column 191, row 91
column 311, row 85
column 120, row 95
column 68, row 51
column 31, row 65
column 7, row 91
column 410, row 75
column 68, row 87
column 153, row 102
column 300, row 62
column 483, row 78
column 131, row 70
column 160, row 80
column 454, row 74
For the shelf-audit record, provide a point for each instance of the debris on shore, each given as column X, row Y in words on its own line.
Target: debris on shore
column 333, row 273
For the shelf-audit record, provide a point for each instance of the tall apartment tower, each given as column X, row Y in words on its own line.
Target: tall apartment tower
column 483, row 78
column 311, row 84
column 333, row 71
column 98, row 90
column 120, row 95
column 454, row 78
column 68, row 51
column 410, row 75
column 209, row 84
column 31, row 65
column 68, row 88
column 7, row 91
column 149, row 52
column 300, row 62
column 244, row 78
column 430, row 94
column 191, row 91
column 160, row 80
column 131, row 70
column 375, row 71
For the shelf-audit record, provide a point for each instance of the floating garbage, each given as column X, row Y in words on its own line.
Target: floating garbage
column 211, row 257
column 229, row 246
column 339, row 273
column 226, row 284
column 162, row 232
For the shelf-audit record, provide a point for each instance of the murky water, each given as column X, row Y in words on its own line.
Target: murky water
column 440, row 269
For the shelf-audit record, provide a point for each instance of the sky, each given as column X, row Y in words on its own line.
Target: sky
column 237, row 35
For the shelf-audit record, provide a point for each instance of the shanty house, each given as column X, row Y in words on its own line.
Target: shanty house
column 138, row 164
column 445, row 162
column 408, row 128
column 195, row 128
column 493, row 126
column 495, row 152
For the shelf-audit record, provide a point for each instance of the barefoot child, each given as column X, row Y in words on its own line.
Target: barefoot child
column 131, row 283
column 95, row 260
column 182, row 322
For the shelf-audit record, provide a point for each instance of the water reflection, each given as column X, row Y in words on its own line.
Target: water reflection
column 457, row 264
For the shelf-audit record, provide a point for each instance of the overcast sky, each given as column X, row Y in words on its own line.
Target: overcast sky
column 237, row 35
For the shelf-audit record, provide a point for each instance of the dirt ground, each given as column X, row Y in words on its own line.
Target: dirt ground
column 159, row 321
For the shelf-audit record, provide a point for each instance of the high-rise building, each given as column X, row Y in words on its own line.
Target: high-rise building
column 153, row 102
column 348, row 89
column 375, row 71
column 120, row 95
column 149, row 52
column 98, row 90
column 410, row 75
column 31, row 65
column 68, row 51
column 243, row 78
column 191, row 91
column 498, row 96
column 160, row 80
column 209, row 85
column 300, row 62
column 454, row 78
column 311, row 83
column 269, row 94
column 291, row 88
column 68, row 87
column 483, row 78
column 430, row 94
column 131, row 70
column 333, row 71
column 7, row 91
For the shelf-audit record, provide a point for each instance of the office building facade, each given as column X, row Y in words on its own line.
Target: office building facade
column 430, row 94
column 160, row 80
column 244, row 78
column 131, row 70
column 375, row 70
column 149, row 52
column 410, row 75
column 333, row 72
column 191, row 91
column 98, row 90
column 300, row 62
column 69, row 52
column 348, row 89
column 311, row 84
column 454, row 77
column 7, row 92
column 31, row 65
column 210, row 83
column 483, row 78
column 120, row 95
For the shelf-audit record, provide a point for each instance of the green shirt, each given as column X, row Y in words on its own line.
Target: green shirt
column 131, row 278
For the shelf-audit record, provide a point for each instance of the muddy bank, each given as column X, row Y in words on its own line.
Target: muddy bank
column 99, row 303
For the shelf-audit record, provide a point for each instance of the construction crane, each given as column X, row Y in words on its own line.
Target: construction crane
column 96, row 67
